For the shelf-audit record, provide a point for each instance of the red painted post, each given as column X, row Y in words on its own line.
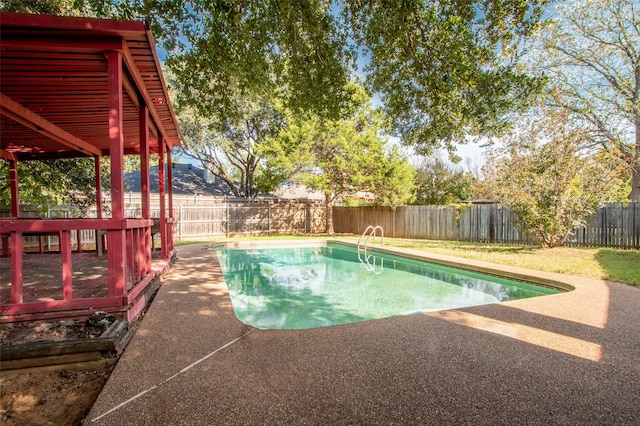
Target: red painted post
column 98, row 180
column 140, row 253
column 164, row 253
column 116, row 258
column 16, row 267
column 96, row 166
column 116, row 138
column 67, row 270
column 144, row 162
column 116, row 262
column 130, row 279
column 13, row 183
column 145, row 188
column 170, row 183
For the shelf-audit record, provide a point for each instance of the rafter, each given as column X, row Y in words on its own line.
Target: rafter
column 142, row 87
column 6, row 155
column 18, row 113
column 62, row 44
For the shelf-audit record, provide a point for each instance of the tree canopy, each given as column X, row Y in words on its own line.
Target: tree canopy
column 442, row 70
column 591, row 58
column 44, row 183
column 549, row 182
column 440, row 183
column 229, row 147
column 341, row 157
column 445, row 70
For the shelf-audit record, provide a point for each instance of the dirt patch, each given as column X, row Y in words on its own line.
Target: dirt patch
column 49, row 398
column 50, row 395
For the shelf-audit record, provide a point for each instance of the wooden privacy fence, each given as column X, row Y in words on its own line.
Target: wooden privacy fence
column 248, row 219
column 213, row 219
column 615, row 225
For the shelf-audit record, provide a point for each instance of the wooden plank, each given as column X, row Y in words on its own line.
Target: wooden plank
column 6, row 155
column 60, row 305
column 16, row 267
column 25, row 42
column 67, row 272
column 26, row 117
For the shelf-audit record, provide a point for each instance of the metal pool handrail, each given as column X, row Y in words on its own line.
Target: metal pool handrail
column 371, row 231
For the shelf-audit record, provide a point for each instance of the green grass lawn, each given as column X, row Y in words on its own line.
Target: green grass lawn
column 600, row 263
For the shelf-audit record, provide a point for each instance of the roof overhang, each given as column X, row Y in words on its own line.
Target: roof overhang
column 54, row 91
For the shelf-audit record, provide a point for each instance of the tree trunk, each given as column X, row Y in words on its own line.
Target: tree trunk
column 635, row 166
column 328, row 210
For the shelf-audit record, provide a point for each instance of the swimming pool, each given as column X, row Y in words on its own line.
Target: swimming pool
column 330, row 284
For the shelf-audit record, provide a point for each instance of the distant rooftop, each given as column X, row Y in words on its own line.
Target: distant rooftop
column 187, row 180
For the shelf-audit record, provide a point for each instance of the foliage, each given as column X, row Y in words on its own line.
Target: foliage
column 592, row 60
column 441, row 69
column 229, row 147
column 220, row 51
column 50, row 7
column 547, row 183
column 53, row 182
column 439, row 183
column 341, row 157
column 394, row 183
column 444, row 69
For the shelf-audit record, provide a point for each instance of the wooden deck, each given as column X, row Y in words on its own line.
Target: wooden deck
column 42, row 278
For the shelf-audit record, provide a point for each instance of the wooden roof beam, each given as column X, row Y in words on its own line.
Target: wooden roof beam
column 142, row 88
column 131, row 90
column 39, row 22
column 55, row 43
column 18, row 113
column 50, row 155
column 6, row 155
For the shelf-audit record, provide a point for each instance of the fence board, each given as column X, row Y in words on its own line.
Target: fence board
column 614, row 225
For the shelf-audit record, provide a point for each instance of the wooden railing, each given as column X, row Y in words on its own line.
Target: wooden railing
column 128, row 243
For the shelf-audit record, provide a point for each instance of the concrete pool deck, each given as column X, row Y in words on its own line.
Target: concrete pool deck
column 570, row 358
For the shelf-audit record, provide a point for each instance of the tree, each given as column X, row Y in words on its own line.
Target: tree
column 54, row 182
column 548, row 183
column 221, row 50
column 394, row 184
column 592, row 60
column 445, row 69
column 228, row 147
column 442, row 69
column 50, row 7
column 439, row 183
column 341, row 157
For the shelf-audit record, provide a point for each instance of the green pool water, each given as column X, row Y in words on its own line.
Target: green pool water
column 307, row 287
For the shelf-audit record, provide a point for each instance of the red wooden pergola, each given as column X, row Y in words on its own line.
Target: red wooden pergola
column 73, row 87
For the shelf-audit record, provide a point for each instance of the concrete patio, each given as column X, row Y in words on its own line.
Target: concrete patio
column 571, row 358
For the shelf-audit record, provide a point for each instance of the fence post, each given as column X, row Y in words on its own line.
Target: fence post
column 180, row 222
column 227, row 215
column 48, row 236
column 269, row 219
